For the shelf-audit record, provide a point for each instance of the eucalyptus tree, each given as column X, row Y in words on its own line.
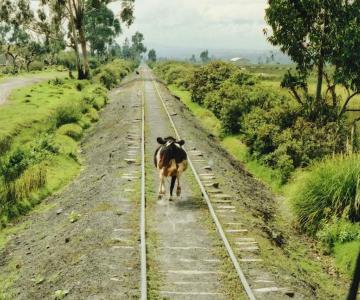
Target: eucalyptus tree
column 204, row 56
column 75, row 13
column 101, row 26
column 321, row 36
column 138, row 47
column 152, row 55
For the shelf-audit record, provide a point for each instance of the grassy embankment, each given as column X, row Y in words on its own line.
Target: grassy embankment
column 40, row 130
column 46, row 121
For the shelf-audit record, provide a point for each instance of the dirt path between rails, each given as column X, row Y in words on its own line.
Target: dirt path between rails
column 10, row 84
column 185, row 254
column 97, row 256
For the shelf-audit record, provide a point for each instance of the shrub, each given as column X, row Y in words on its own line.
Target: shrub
column 56, row 81
column 15, row 164
column 36, row 66
column 338, row 231
column 93, row 115
column 110, row 74
column 67, row 59
column 209, row 78
column 72, row 130
column 331, row 188
column 70, row 113
column 32, row 179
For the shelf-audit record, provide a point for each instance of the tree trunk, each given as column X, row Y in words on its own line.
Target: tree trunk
column 320, row 78
column 72, row 24
column 84, row 52
column 28, row 65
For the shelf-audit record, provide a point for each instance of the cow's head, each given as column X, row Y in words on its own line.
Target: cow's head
column 170, row 141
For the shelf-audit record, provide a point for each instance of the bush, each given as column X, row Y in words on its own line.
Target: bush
column 67, row 59
column 72, row 130
column 56, row 81
column 209, row 78
column 15, row 164
column 36, row 66
column 338, row 231
column 93, row 115
column 331, row 188
column 110, row 74
column 70, row 113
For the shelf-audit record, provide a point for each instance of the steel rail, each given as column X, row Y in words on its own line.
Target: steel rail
column 143, row 204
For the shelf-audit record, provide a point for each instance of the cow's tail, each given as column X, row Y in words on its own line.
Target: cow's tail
column 173, row 179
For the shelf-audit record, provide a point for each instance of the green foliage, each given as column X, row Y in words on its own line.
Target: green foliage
column 101, row 26
column 70, row 113
column 67, row 59
column 152, row 55
column 93, row 115
column 111, row 74
column 204, row 56
column 331, row 188
column 346, row 256
column 338, row 231
column 178, row 73
column 72, row 130
column 322, row 42
column 208, row 78
column 15, row 164
column 277, row 129
column 36, row 66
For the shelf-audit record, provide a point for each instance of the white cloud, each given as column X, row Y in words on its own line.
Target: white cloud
column 201, row 23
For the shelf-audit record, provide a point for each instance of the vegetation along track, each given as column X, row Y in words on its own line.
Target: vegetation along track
column 83, row 242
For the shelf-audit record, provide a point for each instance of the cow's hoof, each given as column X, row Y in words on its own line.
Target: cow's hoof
column 178, row 193
column 171, row 198
column 159, row 196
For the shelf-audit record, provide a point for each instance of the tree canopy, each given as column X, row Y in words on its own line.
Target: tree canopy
column 152, row 55
column 320, row 35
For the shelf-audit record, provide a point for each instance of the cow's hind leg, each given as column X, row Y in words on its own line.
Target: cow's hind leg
column 173, row 179
column 162, row 185
column 178, row 188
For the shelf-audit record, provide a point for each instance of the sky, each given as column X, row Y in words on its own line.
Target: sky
column 200, row 24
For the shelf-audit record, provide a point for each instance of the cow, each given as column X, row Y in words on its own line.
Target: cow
column 170, row 160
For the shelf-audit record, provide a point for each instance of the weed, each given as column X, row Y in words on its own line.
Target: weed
column 330, row 188
column 72, row 130
column 67, row 114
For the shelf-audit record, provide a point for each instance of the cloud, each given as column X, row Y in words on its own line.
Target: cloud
column 201, row 23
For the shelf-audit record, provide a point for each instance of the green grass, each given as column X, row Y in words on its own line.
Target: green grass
column 330, row 188
column 238, row 150
column 346, row 255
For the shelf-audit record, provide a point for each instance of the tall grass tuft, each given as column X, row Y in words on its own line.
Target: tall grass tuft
column 331, row 188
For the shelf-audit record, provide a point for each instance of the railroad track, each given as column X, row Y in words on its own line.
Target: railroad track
column 223, row 205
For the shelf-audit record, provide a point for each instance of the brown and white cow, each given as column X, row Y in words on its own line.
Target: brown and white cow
column 171, row 161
